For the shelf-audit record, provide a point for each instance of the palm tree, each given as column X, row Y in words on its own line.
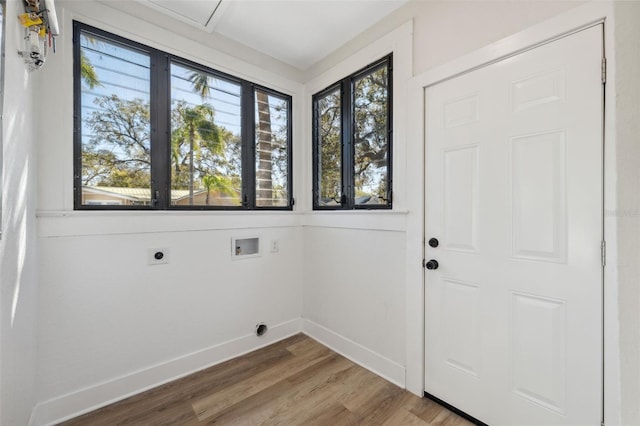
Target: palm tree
column 87, row 71
column 194, row 125
column 264, row 188
column 220, row 184
column 200, row 82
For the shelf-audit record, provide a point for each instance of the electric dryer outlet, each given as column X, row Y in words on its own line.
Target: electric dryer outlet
column 158, row 256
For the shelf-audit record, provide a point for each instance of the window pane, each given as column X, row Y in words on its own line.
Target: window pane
column 206, row 149
column 329, row 163
column 272, row 156
column 116, row 162
column 371, row 143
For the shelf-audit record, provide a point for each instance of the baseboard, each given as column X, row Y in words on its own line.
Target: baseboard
column 88, row 399
column 91, row 398
column 373, row 361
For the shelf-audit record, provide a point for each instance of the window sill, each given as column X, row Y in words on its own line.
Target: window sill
column 375, row 220
column 102, row 222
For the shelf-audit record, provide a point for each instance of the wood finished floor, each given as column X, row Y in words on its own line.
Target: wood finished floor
column 296, row 381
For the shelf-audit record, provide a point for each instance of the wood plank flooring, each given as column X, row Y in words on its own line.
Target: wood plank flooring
column 297, row 381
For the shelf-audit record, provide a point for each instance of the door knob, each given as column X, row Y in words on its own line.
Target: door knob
column 432, row 264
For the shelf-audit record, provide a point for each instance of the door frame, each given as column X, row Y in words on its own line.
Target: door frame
column 567, row 23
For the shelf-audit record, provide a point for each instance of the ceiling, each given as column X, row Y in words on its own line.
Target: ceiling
column 297, row 32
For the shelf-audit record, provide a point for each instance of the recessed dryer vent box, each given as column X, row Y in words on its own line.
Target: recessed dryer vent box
column 245, row 248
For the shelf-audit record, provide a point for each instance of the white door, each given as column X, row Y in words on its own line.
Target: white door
column 513, row 313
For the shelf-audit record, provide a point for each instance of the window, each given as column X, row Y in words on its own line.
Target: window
column 155, row 131
column 352, row 141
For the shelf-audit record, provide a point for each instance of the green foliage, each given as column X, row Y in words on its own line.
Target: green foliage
column 117, row 150
column 219, row 184
column 116, row 142
column 195, row 124
column 370, row 139
column 119, row 143
column 370, row 135
column 127, row 178
column 330, row 147
column 197, row 143
column 97, row 165
column 200, row 83
column 88, row 73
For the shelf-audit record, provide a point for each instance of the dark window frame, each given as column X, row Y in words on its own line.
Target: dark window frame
column 316, row 149
column 160, row 122
column 276, row 94
column 347, row 165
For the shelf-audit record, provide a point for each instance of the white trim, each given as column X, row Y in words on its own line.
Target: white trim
column 565, row 23
column 104, row 222
column 99, row 395
column 85, row 223
column 371, row 220
column 559, row 26
column 372, row 361
column 508, row 54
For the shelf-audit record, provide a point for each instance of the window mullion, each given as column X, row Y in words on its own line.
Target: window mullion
column 248, row 136
column 160, row 117
column 77, row 118
column 290, row 200
column 315, row 190
column 347, row 145
column 390, row 130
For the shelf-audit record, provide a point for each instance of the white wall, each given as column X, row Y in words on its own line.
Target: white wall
column 627, row 211
column 354, row 295
column 18, row 281
column 109, row 323
column 108, row 319
column 445, row 30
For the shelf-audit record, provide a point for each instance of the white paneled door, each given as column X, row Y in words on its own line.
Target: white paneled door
column 513, row 309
